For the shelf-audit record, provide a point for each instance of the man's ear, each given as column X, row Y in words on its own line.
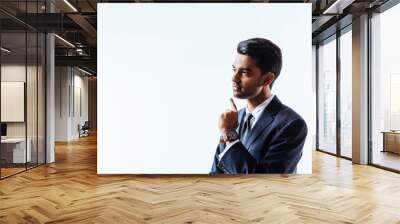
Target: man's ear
column 269, row 78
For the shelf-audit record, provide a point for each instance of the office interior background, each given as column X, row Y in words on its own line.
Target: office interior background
column 48, row 122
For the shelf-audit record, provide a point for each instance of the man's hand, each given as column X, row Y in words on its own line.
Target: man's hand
column 229, row 119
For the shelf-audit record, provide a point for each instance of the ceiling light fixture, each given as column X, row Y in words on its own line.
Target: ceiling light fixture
column 5, row 50
column 65, row 41
column 84, row 71
column 79, row 51
column 338, row 6
column 70, row 5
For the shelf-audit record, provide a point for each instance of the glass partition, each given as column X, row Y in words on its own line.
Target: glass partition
column 327, row 96
column 32, row 95
column 14, row 153
column 346, row 94
column 33, row 72
column 41, row 85
column 385, row 89
column 22, row 77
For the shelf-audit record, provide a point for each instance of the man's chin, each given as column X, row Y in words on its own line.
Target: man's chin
column 239, row 95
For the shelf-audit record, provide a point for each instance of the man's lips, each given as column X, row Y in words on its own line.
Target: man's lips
column 236, row 87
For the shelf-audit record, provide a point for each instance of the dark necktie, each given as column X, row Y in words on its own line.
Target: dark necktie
column 246, row 127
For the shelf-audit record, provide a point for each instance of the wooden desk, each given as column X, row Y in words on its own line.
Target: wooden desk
column 13, row 150
column 391, row 141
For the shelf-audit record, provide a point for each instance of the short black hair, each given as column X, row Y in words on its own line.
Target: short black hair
column 268, row 56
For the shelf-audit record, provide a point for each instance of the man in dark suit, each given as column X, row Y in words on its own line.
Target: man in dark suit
column 266, row 136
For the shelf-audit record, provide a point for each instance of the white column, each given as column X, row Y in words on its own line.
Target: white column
column 50, row 92
column 50, row 110
column 360, row 90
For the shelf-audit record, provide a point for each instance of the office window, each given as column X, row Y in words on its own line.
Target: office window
column 385, row 89
column 327, row 97
column 346, row 94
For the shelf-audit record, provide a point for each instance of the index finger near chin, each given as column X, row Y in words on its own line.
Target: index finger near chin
column 232, row 114
column 233, row 105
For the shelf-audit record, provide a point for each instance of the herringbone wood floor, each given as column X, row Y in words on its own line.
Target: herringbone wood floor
column 70, row 191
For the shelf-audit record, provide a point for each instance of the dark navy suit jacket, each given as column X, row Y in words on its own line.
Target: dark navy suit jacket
column 274, row 144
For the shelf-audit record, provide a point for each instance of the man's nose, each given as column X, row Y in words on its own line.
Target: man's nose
column 235, row 76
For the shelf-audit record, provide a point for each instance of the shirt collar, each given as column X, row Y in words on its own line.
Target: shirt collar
column 260, row 108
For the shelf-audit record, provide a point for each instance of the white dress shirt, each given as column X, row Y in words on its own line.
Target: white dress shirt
column 256, row 115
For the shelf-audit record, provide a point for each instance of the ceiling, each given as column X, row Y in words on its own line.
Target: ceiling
column 76, row 21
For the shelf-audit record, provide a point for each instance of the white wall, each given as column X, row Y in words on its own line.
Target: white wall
column 69, row 82
column 81, row 103
column 164, row 77
column 61, row 103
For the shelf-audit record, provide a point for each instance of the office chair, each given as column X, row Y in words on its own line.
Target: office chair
column 84, row 130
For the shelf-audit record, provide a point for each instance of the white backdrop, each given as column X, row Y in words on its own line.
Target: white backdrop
column 164, row 77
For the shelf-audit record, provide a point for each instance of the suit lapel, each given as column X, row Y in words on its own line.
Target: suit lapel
column 241, row 115
column 264, row 121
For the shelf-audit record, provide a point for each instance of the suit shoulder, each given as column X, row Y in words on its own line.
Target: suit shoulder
column 288, row 114
column 291, row 120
